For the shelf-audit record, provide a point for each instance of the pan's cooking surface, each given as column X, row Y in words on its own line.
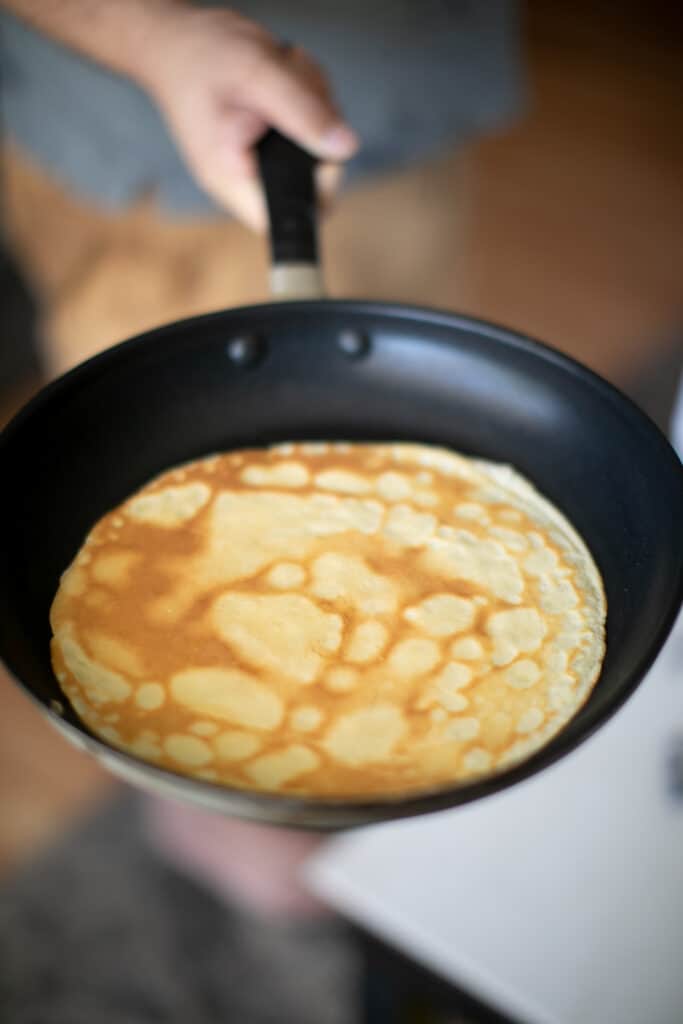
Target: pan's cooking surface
column 344, row 370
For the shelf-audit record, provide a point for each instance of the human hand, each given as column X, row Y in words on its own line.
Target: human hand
column 221, row 81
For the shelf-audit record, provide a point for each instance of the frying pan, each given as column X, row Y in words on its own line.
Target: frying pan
column 317, row 369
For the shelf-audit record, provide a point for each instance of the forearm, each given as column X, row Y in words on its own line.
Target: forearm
column 116, row 33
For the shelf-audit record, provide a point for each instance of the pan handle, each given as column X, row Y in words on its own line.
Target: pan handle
column 287, row 175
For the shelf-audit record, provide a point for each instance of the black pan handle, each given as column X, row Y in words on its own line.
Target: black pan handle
column 288, row 179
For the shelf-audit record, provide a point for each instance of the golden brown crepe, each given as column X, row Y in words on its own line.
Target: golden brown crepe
column 331, row 620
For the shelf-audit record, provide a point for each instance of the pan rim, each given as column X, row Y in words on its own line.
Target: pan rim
column 392, row 310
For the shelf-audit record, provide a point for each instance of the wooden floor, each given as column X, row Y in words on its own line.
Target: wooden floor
column 573, row 232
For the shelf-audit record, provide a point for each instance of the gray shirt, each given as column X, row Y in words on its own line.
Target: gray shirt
column 411, row 78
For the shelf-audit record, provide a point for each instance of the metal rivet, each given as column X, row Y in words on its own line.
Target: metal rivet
column 245, row 350
column 354, row 343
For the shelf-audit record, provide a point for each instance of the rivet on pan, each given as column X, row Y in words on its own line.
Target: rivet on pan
column 245, row 350
column 57, row 707
column 353, row 343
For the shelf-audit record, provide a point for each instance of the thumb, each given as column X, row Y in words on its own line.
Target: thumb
column 291, row 94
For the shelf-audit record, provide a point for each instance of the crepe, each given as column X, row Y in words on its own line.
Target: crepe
column 331, row 620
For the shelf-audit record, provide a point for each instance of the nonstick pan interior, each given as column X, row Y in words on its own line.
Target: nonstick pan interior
column 339, row 370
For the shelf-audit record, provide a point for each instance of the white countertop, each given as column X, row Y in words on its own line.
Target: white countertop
column 558, row 900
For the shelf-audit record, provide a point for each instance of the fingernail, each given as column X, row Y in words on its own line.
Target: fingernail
column 339, row 143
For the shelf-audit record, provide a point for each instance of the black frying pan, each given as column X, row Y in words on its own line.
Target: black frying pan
column 345, row 370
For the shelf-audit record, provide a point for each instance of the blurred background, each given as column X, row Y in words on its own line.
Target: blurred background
column 566, row 224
